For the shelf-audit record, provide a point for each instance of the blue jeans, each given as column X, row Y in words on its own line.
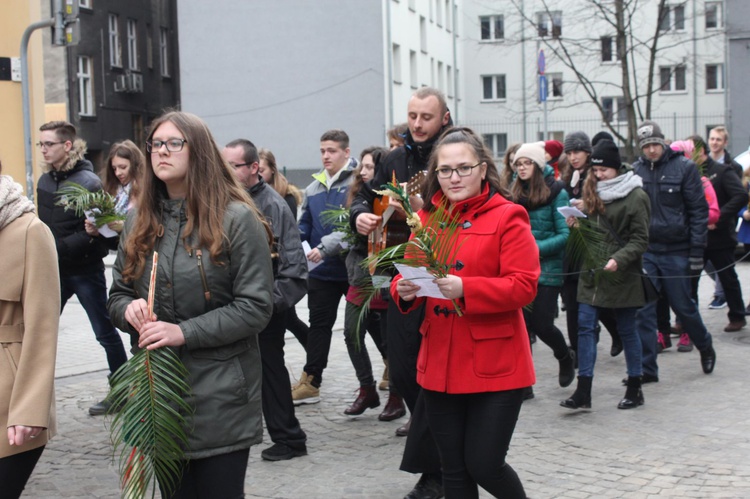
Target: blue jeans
column 91, row 290
column 588, row 318
column 664, row 270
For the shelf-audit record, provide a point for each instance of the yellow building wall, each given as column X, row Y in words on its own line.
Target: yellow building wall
column 16, row 16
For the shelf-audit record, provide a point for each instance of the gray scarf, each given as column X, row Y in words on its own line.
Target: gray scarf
column 13, row 203
column 618, row 187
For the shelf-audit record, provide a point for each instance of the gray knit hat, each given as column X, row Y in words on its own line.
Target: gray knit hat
column 534, row 151
column 577, row 141
column 650, row 133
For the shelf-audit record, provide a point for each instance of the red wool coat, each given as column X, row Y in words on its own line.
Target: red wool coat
column 487, row 349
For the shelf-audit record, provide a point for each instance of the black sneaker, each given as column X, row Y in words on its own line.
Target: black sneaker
column 282, row 452
column 102, row 408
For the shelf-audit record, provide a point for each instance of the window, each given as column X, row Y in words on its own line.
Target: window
column 449, row 78
column 115, row 50
column 492, row 27
column 85, row 88
column 448, row 15
column 132, row 44
column 413, row 69
column 412, row 5
column 440, row 76
column 713, row 15
column 149, row 47
column 432, row 15
column 396, row 63
column 493, row 87
column 555, row 85
column 86, row 4
column 549, row 22
column 714, row 77
column 432, row 71
column 496, row 142
column 438, row 12
column 609, row 49
column 164, row 50
column 672, row 78
column 672, row 17
column 611, row 112
column 423, row 34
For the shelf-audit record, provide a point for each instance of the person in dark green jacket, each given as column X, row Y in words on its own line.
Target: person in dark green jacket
column 615, row 202
column 213, row 295
column 536, row 189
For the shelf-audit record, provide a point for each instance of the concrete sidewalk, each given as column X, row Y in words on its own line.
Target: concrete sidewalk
column 690, row 439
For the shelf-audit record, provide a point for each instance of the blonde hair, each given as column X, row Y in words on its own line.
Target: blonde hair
column 278, row 181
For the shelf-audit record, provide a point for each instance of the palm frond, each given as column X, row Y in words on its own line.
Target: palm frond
column 149, row 430
column 338, row 218
column 101, row 204
column 589, row 243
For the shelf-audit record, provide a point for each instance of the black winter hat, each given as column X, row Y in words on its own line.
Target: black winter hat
column 577, row 141
column 601, row 136
column 606, row 154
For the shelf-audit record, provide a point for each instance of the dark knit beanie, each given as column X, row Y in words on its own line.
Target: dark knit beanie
column 606, row 154
column 650, row 133
column 577, row 141
column 601, row 136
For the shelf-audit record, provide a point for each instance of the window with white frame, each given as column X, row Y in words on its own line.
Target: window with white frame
column 614, row 109
column 115, row 49
column 609, row 49
column 85, row 87
column 438, row 12
column 672, row 17
column 449, row 79
column 413, row 5
column 496, row 142
column 713, row 15
column 86, row 4
column 714, row 77
column 448, row 15
column 440, row 76
column 132, row 44
column 493, row 87
column 672, row 78
column 549, row 23
column 413, row 77
column 164, row 51
column 432, row 71
column 554, row 85
column 396, row 63
column 149, row 47
column 492, row 27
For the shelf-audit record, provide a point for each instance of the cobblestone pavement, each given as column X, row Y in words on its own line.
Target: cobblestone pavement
column 690, row 439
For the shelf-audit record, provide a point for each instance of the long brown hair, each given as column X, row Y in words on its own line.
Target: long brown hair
column 278, row 181
column 461, row 135
column 378, row 155
column 507, row 175
column 535, row 190
column 211, row 186
column 129, row 151
column 592, row 203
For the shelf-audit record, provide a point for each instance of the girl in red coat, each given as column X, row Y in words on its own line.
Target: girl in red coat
column 473, row 367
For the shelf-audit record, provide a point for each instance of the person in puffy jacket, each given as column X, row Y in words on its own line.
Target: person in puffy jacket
column 213, row 295
column 536, row 189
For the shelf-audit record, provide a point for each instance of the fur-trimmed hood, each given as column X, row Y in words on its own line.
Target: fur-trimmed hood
column 76, row 154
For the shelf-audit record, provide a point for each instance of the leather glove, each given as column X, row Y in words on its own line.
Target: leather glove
column 695, row 266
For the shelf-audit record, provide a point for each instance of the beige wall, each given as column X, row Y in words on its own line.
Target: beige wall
column 17, row 15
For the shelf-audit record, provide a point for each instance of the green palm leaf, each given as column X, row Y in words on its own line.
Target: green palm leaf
column 149, row 430
column 589, row 243
column 78, row 198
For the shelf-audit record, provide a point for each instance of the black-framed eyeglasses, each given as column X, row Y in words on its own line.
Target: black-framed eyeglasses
column 173, row 145
column 47, row 145
column 462, row 171
column 240, row 165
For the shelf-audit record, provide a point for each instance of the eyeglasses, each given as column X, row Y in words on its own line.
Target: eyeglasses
column 173, row 145
column 462, row 171
column 525, row 164
column 240, row 165
column 47, row 145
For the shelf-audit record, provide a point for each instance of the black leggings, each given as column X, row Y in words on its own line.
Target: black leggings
column 473, row 432
column 541, row 320
column 215, row 477
column 15, row 471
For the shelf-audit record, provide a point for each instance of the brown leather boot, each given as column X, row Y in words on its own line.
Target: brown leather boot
column 393, row 409
column 366, row 399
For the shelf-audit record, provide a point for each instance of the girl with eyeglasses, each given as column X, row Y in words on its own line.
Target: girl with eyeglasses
column 536, row 189
column 213, row 294
column 473, row 368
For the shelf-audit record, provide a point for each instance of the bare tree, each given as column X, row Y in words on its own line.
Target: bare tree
column 578, row 53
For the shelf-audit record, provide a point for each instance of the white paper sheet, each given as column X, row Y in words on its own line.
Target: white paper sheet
column 104, row 230
column 420, row 276
column 571, row 211
column 307, row 249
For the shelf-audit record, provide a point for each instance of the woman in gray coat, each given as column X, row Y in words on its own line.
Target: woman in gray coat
column 213, row 295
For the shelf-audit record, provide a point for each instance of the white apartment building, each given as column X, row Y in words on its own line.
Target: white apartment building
column 502, row 39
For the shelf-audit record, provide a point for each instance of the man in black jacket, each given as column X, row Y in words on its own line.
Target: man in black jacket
column 289, row 286
column 677, row 241
column 722, row 236
column 79, row 254
column 428, row 117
